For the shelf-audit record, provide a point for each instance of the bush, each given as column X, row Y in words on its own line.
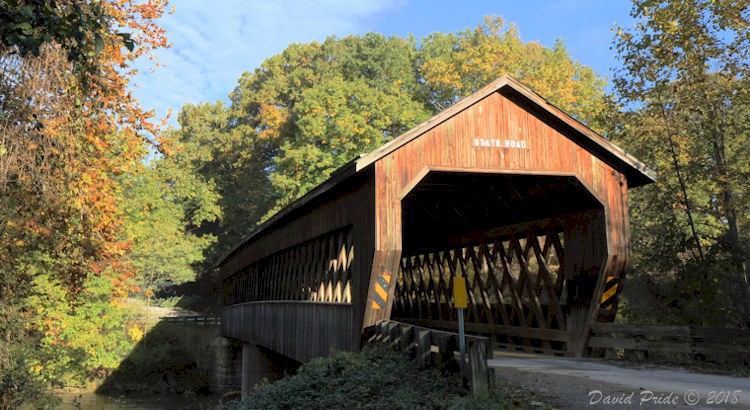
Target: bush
column 18, row 386
column 376, row 378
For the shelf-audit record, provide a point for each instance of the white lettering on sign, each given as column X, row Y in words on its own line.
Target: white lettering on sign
column 498, row 143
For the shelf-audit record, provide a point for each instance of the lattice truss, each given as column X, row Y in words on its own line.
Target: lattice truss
column 316, row 270
column 515, row 281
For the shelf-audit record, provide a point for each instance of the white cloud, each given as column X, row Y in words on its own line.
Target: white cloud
column 213, row 42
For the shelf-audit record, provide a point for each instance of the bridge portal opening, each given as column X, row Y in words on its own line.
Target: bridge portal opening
column 508, row 234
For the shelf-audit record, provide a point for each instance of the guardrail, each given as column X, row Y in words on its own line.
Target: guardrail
column 439, row 349
column 192, row 320
column 709, row 343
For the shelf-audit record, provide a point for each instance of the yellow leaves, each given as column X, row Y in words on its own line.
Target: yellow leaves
column 442, row 73
column 272, row 119
column 457, row 64
column 135, row 333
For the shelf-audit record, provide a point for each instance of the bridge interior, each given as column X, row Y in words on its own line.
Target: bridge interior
column 449, row 208
column 505, row 233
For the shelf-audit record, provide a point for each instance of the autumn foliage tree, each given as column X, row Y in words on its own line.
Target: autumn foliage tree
column 454, row 65
column 684, row 85
column 69, row 126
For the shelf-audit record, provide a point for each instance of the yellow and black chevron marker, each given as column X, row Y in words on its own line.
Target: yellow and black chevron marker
column 610, row 293
column 380, row 297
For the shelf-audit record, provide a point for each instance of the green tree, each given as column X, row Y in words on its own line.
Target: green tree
column 684, row 83
column 161, row 206
column 347, row 97
column 211, row 160
column 81, row 28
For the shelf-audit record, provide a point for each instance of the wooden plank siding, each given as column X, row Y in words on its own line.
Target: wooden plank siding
column 300, row 330
column 540, row 148
column 347, row 204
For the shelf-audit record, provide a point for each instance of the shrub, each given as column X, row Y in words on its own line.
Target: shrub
column 376, row 378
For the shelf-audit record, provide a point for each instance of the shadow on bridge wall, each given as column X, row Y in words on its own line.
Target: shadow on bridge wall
column 187, row 356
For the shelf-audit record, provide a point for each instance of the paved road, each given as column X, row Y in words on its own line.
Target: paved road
column 589, row 383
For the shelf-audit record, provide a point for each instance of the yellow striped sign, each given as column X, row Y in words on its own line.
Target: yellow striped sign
column 611, row 290
column 381, row 291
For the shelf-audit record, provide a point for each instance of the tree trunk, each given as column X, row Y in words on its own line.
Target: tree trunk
column 680, row 179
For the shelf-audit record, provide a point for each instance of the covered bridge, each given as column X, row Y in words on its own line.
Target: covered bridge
column 502, row 188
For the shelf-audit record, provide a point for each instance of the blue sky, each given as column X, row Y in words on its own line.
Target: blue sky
column 214, row 41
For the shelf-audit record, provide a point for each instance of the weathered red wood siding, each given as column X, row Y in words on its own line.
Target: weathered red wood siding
column 350, row 203
column 450, row 145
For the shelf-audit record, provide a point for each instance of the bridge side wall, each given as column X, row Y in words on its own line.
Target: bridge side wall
column 300, row 329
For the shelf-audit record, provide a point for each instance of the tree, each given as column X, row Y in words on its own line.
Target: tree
column 165, row 251
column 210, row 161
column 684, row 83
column 349, row 96
column 68, row 128
column 457, row 64
column 81, row 28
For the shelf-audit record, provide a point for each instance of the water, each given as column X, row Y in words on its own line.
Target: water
column 91, row 401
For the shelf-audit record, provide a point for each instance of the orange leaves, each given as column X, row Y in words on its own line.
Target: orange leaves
column 141, row 18
column 272, row 118
column 165, row 144
column 87, row 135
column 96, row 268
column 150, row 10
column 103, row 126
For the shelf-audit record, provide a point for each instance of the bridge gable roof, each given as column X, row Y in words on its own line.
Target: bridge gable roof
column 635, row 171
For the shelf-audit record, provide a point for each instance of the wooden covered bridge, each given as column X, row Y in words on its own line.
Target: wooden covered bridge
column 502, row 188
